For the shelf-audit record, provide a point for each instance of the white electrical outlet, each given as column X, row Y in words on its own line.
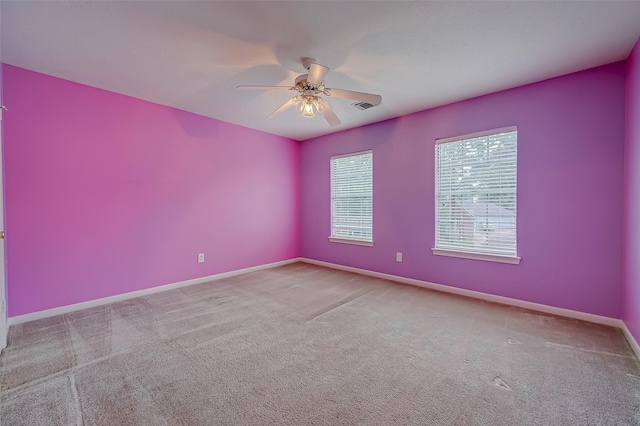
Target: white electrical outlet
column 200, row 257
column 398, row 257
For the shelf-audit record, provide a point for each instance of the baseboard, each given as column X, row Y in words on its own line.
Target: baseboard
column 568, row 313
column 632, row 341
column 138, row 293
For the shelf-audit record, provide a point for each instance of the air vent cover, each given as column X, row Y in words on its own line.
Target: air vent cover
column 363, row 105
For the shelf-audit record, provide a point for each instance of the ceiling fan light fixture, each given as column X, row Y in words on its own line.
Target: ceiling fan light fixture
column 307, row 110
column 309, row 86
column 307, row 103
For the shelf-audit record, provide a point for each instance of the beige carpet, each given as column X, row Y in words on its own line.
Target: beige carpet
column 304, row 345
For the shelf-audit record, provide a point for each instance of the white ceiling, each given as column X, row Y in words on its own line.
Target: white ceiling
column 417, row 55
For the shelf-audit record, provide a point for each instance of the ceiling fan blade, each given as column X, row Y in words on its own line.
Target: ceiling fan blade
column 317, row 73
column 357, row 96
column 331, row 116
column 262, row 87
column 285, row 106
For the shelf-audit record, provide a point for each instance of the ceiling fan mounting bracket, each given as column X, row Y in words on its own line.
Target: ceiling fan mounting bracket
column 307, row 62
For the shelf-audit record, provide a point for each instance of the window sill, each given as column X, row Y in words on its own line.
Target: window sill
column 351, row 241
column 514, row 260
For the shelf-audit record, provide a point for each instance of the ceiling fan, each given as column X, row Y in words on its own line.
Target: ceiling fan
column 309, row 87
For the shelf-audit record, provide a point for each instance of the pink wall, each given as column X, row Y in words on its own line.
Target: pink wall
column 570, row 192
column 632, row 197
column 107, row 194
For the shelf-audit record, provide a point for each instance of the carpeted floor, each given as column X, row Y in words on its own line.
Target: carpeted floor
column 304, row 345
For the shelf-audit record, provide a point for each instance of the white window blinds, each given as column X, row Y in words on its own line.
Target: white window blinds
column 476, row 193
column 352, row 197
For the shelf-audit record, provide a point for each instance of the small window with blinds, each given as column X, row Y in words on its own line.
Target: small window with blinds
column 352, row 198
column 476, row 181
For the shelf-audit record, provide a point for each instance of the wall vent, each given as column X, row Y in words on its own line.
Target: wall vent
column 363, row 105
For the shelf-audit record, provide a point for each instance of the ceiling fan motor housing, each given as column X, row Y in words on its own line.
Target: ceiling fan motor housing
column 307, row 88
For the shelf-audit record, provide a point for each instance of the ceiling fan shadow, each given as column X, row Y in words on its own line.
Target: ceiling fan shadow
column 212, row 99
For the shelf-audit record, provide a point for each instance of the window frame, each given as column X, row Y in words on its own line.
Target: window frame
column 470, row 254
column 340, row 238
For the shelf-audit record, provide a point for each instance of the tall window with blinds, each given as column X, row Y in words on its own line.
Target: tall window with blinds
column 476, row 182
column 352, row 198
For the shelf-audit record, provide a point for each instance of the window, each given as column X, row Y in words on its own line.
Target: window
column 476, row 196
column 352, row 198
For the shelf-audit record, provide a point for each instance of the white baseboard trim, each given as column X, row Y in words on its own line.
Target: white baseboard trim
column 632, row 341
column 568, row 313
column 138, row 293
